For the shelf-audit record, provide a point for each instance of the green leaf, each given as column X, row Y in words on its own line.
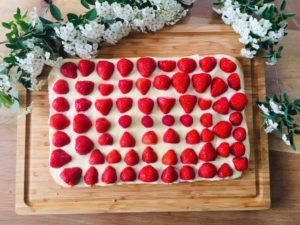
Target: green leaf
column 24, row 26
column 91, row 15
column 85, row 4
column 10, row 59
column 72, row 16
column 6, row 25
column 6, row 99
column 17, row 15
column 55, row 12
column 283, row 5
column 91, row 2
column 45, row 21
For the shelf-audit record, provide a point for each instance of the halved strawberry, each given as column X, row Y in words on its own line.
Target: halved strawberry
column 113, row 156
column 83, row 145
column 61, row 87
column 149, row 138
column 131, row 158
column 240, row 163
column 223, row 149
column 145, row 105
column 124, row 67
column 187, row 173
column 221, row 106
column 59, row 158
column 60, row 104
column 218, row 87
column 239, row 133
column 125, row 85
column 91, row 176
column 207, row 170
column 225, row 171
column 204, row 103
column 86, row 67
column 104, row 105
column 148, row 174
column 236, row 118
column 188, row 102
column 187, row 65
column 227, row 65
column 189, row 156
column 143, row 85
column 125, row 121
column 167, row 65
column 124, row 104
column 169, row 175
column 207, row 135
column 109, row 175
column 59, row 121
column 238, row 101
column 206, row 119
column 181, row 82
column 208, row 63
column 71, row 176
column 96, row 157
column 186, row 120
column 81, row 123
column 165, row 104
column 105, row 139
column 127, row 140
column 162, row 82
column 168, row 120
column 102, row 125
column 105, row 69
column 169, row 158
column 234, row 81
column 128, row 174
column 147, row 121
column 207, row 152
column 192, row 137
column 171, row 136
column 84, row 87
column 238, row 149
column 69, row 69
column 149, row 155
column 60, row 139
column 82, row 104
column 222, row 129
column 105, row 89
column 145, row 66
column 201, row 82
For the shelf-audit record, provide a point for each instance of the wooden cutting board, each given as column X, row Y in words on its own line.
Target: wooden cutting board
column 37, row 193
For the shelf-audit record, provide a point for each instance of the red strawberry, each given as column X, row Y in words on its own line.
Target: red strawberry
column 125, row 121
column 83, row 145
column 104, row 105
column 225, row 171
column 81, row 123
column 84, row 87
column 240, row 163
column 189, row 156
column 127, row 140
column 167, row 65
column 227, row 65
column 105, row 139
column 128, row 174
column 113, row 157
column 125, row 86
column 238, row 149
column 149, row 155
column 186, row 65
column 187, row 173
column 206, row 119
column 147, row 121
column 69, row 69
column 102, row 125
column 60, row 104
column 221, row 106
column 181, row 82
column 218, row 87
column 168, row 120
column 145, row 66
column 207, row 152
column 59, row 121
column 169, row 175
column 131, row 158
column 201, row 82
column 238, row 101
column 124, row 67
column 82, row 104
column 96, row 157
column 162, row 82
column 171, row 136
column 208, row 63
column 188, row 102
column 204, row 103
column 105, row 89
column 165, row 104
column 71, row 176
column 109, row 175
column 207, row 170
column 236, row 118
column 60, row 139
column 223, row 149
column 105, row 69
column 186, row 120
column 239, row 134
column 143, row 85
column 222, row 129
column 148, row 174
column 234, row 81
column 86, row 67
column 207, row 135
column 61, row 87
column 124, row 104
column 91, row 176
column 59, row 158
column 146, row 105
column 169, row 158
column 149, row 138
column 192, row 137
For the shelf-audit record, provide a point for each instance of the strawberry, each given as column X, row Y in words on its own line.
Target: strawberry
column 91, row 176
column 204, row 104
column 125, row 86
column 105, row 89
column 61, row 87
column 104, row 105
column 207, row 152
column 227, row 65
column 165, row 104
column 168, row 120
column 81, row 123
column 124, row 104
column 96, row 157
column 124, row 67
column 188, row 102
column 236, row 118
column 240, row 163
column 105, row 139
column 59, row 158
column 71, row 176
column 223, row 149
column 146, row 105
column 147, row 121
column 218, row 87
column 181, row 82
column 149, row 155
column 82, row 104
column 238, row 149
column 102, row 125
column 234, row 81
column 109, row 175
column 238, row 101
column 105, row 69
column 222, row 129
column 145, row 66
column 187, row 173
column 192, row 137
column 207, row 135
column 84, row 87
column 186, row 65
column 239, row 134
column 86, row 67
column 207, row 170
column 225, row 171
column 59, row 121
column 60, row 104
column 128, row 174
column 186, row 120
column 162, row 82
column 69, row 69
column 221, row 106
column 167, row 65
column 201, row 82
column 171, row 136
column 60, row 139
column 148, row 174
column 208, row 63
column 143, row 85
column 169, row 158
column 149, row 138
column 83, row 145
column 189, row 156
column 113, row 157
column 169, row 175
column 127, row 140
column 206, row 119
column 125, row 121
column 131, row 158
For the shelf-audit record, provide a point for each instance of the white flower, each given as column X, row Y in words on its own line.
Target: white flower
column 270, row 126
column 66, row 32
column 53, row 63
column 92, row 31
column 264, row 109
column 4, row 82
column 105, row 10
column 275, row 107
column 286, row 139
column 276, row 36
column 248, row 53
column 187, row 2
column 116, row 31
column 32, row 64
column 125, row 12
column 260, row 27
